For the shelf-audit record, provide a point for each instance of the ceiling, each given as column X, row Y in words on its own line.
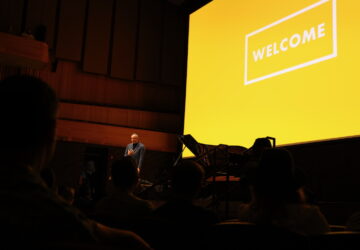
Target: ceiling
column 190, row 5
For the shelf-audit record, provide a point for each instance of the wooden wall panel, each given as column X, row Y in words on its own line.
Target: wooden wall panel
column 23, row 52
column 159, row 98
column 174, row 52
column 71, row 29
column 98, row 34
column 75, row 86
column 11, row 12
column 149, row 43
column 124, row 39
column 165, row 122
column 42, row 13
column 7, row 70
column 81, row 87
column 114, row 136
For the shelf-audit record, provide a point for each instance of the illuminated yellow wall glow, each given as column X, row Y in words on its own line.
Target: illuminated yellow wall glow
column 314, row 102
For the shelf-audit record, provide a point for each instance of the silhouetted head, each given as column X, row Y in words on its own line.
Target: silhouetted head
column 90, row 167
column 187, row 178
column 260, row 145
column 40, row 33
column 124, row 173
column 28, row 118
column 275, row 175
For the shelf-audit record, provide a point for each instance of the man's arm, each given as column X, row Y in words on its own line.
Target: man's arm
column 119, row 237
column 126, row 150
column 141, row 154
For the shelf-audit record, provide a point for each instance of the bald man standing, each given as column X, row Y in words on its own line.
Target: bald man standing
column 136, row 150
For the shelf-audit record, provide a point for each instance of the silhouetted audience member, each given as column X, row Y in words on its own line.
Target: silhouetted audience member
column 122, row 205
column 40, row 33
column 252, row 156
column 184, row 223
column 353, row 222
column 277, row 197
column 30, row 211
column 86, row 195
column 186, row 183
column 28, row 33
column 250, row 162
column 87, row 181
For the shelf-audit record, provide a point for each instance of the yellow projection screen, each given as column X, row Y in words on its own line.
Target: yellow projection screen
column 288, row 69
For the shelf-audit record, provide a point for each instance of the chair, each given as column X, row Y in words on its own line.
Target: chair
column 337, row 228
column 72, row 246
column 242, row 235
column 335, row 240
column 163, row 234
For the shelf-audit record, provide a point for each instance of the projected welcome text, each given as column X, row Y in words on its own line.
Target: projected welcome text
column 292, row 42
column 304, row 38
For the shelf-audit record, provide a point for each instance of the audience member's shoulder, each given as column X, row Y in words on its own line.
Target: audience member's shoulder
column 244, row 211
column 311, row 218
column 184, row 212
column 143, row 202
column 309, row 208
column 353, row 222
column 304, row 210
column 210, row 216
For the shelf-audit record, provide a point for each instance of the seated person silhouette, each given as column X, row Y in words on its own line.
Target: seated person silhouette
column 252, row 156
column 29, row 210
column 186, row 183
column 249, row 163
column 86, row 192
column 187, row 222
column 353, row 222
column 87, row 181
column 122, row 206
column 277, row 197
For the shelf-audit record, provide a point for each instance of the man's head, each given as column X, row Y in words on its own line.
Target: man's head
column 28, row 110
column 187, row 178
column 90, row 167
column 275, row 175
column 134, row 138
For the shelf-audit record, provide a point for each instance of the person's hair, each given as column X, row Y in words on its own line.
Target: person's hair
column 262, row 143
column 124, row 173
column 275, row 175
column 28, row 110
column 187, row 177
column 259, row 146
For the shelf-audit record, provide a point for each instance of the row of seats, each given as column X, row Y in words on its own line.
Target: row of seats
column 239, row 235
